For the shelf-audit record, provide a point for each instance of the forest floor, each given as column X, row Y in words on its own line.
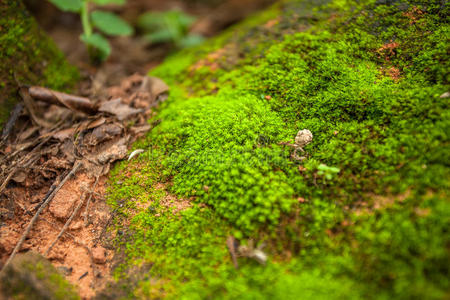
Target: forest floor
column 301, row 154
column 71, row 230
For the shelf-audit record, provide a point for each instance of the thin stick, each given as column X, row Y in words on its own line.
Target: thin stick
column 36, row 216
column 24, row 147
column 105, row 227
column 74, row 213
column 91, row 192
column 8, row 178
column 42, row 140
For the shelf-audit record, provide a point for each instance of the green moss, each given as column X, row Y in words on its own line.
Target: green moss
column 366, row 78
column 28, row 56
column 30, row 276
column 228, row 129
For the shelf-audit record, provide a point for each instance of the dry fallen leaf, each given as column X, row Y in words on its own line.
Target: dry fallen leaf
column 116, row 151
column 103, row 133
column 64, row 134
column 120, row 110
column 33, row 111
column 19, row 176
column 157, row 87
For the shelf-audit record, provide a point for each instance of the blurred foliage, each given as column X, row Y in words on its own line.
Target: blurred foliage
column 169, row 27
column 28, row 56
column 106, row 22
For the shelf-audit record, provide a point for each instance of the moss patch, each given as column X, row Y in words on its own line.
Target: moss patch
column 30, row 276
column 366, row 78
column 28, row 56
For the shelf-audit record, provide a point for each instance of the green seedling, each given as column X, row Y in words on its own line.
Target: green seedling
column 169, row 27
column 327, row 172
column 106, row 22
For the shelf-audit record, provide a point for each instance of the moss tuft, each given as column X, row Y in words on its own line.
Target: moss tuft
column 30, row 276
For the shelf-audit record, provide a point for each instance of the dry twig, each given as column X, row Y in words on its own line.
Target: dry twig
column 91, row 192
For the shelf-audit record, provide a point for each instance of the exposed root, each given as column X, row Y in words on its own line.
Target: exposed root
column 91, row 192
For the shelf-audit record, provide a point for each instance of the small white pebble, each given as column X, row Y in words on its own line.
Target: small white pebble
column 445, row 95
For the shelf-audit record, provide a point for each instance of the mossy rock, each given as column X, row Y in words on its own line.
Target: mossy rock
column 31, row 276
column 365, row 215
column 27, row 56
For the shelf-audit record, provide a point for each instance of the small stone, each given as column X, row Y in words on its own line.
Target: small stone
column 62, row 205
column 76, row 225
column 99, row 255
column 57, row 254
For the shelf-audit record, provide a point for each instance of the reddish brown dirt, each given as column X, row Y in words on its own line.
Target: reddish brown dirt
column 388, row 50
column 171, row 201
column 69, row 253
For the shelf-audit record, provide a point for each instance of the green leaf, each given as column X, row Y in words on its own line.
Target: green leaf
column 184, row 19
column 98, row 42
column 104, row 2
column 68, row 5
column 160, row 36
column 152, row 21
column 190, row 41
column 110, row 24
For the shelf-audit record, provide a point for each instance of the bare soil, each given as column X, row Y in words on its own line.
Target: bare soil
column 70, row 253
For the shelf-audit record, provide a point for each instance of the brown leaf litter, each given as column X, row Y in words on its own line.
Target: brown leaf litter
column 55, row 152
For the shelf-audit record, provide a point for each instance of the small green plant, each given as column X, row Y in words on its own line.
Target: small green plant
column 106, row 22
column 327, row 172
column 169, row 27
